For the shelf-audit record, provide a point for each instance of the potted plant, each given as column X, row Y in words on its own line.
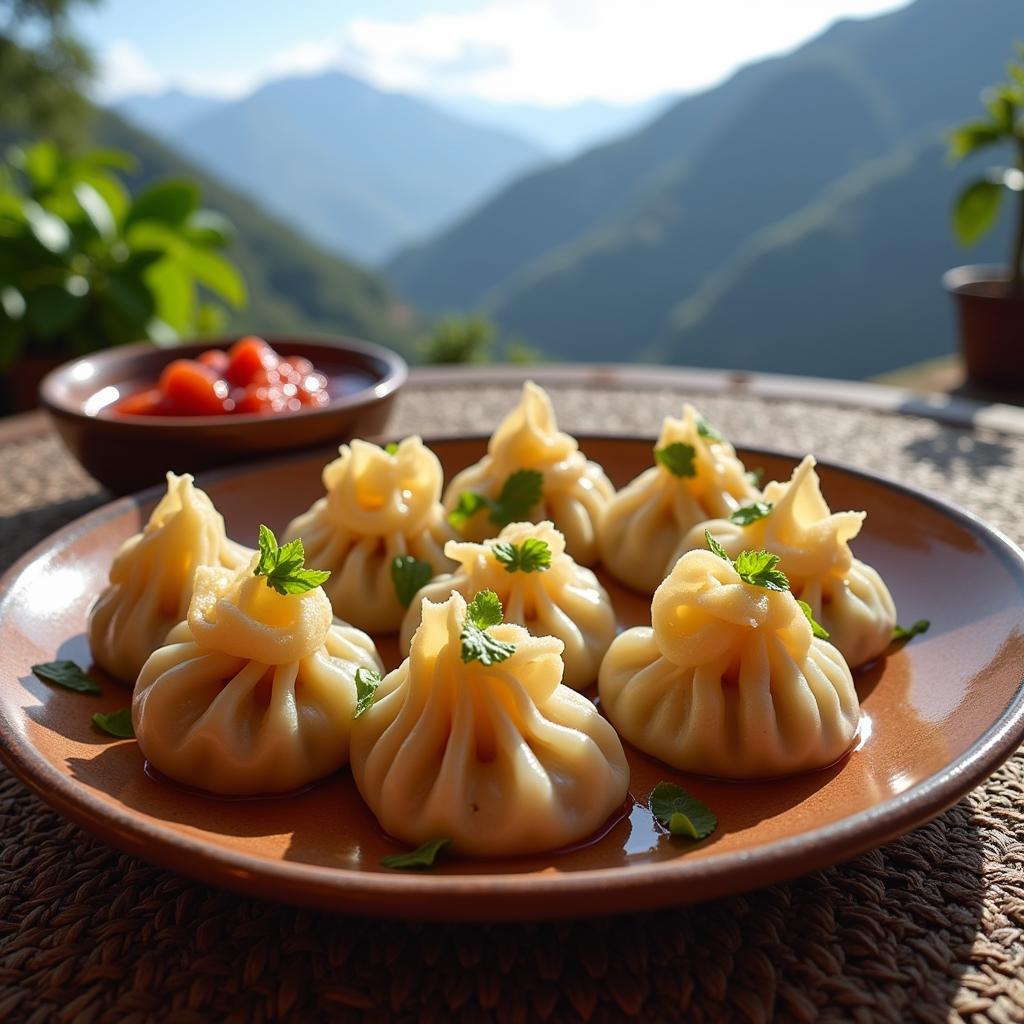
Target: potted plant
column 990, row 299
column 83, row 265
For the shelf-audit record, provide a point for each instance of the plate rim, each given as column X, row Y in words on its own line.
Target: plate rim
column 512, row 896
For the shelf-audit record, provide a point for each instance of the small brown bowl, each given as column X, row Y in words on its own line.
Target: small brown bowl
column 126, row 453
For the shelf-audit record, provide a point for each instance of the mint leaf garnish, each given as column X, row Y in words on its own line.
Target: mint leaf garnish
column 391, row 447
column 715, row 548
column 520, row 493
column 816, row 628
column 409, row 575
column 751, row 513
column 66, row 674
column 533, row 555
column 759, row 568
column 677, row 458
column 706, row 430
column 283, row 567
column 468, row 505
column 115, row 723
column 684, row 815
column 419, row 859
column 367, row 681
column 903, row 633
column 483, row 612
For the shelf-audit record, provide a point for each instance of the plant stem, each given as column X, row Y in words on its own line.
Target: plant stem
column 1017, row 263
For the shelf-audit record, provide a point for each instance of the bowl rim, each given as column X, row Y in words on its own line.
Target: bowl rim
column 396, row 374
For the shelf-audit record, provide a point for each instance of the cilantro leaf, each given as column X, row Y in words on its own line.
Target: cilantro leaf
column 533, row 555
column 283, row 567
column 477, row 645
column 684, row 815
column 66, row 674
column 816, row 628
column 409, row 576
column 417, row 860
column 468, row 505
column 677, row 458
column 706, row 430
column 391, row 447
column 715, row 548
column 751, row 513
column 759, row 568
column 367, row 681
column 115, row 723
column 903, row 633
column 520, row 493
column 756, row 475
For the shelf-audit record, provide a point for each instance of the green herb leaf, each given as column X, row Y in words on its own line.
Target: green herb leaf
column 677, row 458
column 520, row 493
column 976, row 209
column 367, row 681
column 706, row 430
column 421, row 858
column 66, row 674
column 533, row 555
column 681, row 813
column 409, row 576
column 283, row 567
column 756, row 475
column 115, row 723
column 468, row 505
column 391, row 447
column 759, row 569
column 715, row 548
column 816, row 628
column 751, row 513
column 477, row 645
column 903, row 633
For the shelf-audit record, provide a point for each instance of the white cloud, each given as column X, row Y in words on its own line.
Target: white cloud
column 124, row 71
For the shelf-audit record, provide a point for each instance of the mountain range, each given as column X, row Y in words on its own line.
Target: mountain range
column 794, row 217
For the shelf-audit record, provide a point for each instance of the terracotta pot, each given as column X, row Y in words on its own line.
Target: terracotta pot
column 991, row 325
column 19, row 385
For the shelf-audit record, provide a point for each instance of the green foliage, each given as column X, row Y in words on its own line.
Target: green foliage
column 483, row 612
column 459, row 339
column 83, row 265
column 285, row 567
column 533, row 555
column 977, row 206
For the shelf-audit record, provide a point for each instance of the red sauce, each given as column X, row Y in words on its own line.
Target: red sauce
column 249, row 378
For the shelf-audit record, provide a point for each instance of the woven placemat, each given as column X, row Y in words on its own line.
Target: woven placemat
column 929, row 928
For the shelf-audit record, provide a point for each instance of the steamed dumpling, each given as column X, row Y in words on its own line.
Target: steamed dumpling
column 846, row 596
column 151, row 578
column 501, row 759
column 563, row 600
column 378, row 506
column 574, row 492
column 729, row 680
column 255, row 692
column 642, row 534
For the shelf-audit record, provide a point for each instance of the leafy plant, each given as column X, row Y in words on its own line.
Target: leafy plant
column 83, row 265
column 459, row 339
column 977, row 206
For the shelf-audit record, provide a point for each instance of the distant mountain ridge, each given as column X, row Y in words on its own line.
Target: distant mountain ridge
column 356, row 169
column 644, row 245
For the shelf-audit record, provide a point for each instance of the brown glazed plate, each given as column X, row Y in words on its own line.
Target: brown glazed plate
column 940, row 714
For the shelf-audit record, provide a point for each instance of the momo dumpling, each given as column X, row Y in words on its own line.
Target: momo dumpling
column 379, row 505
column 571, row 491
column 474, row 739
column 151, row 578
column 540, row 587
column 846, row 596
column 696, row 476
column 729, row 679
column 255, row 692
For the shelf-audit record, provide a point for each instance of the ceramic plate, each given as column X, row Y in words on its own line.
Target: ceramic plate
column 939, row 716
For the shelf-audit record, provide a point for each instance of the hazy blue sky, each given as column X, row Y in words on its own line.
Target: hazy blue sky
column 548, row 52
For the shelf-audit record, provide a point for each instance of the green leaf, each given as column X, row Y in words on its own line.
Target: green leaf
column 115, row 723
column 284, row 566
column 683, row 814
column 533, row 555
column 66, row 674
column 751, row 513
column 131, row 298
column 677, row 458
column 706, row 430
column 96, row 210
column 40, row 162
column 421, row 858
column 973, row 136
column 483, row 612
column 367, row 681
column 218, row 276
column 816, row 628
column 903, row 633
column 209, row 229
column 759, row 569
column 169, row 202
column 976, row 209
column 715, row 548
column 171, row 287
column 468, row 505
column 409, row 576
column 52, row 309
column 391, row 448
column 47, row 228
column 520, row 493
